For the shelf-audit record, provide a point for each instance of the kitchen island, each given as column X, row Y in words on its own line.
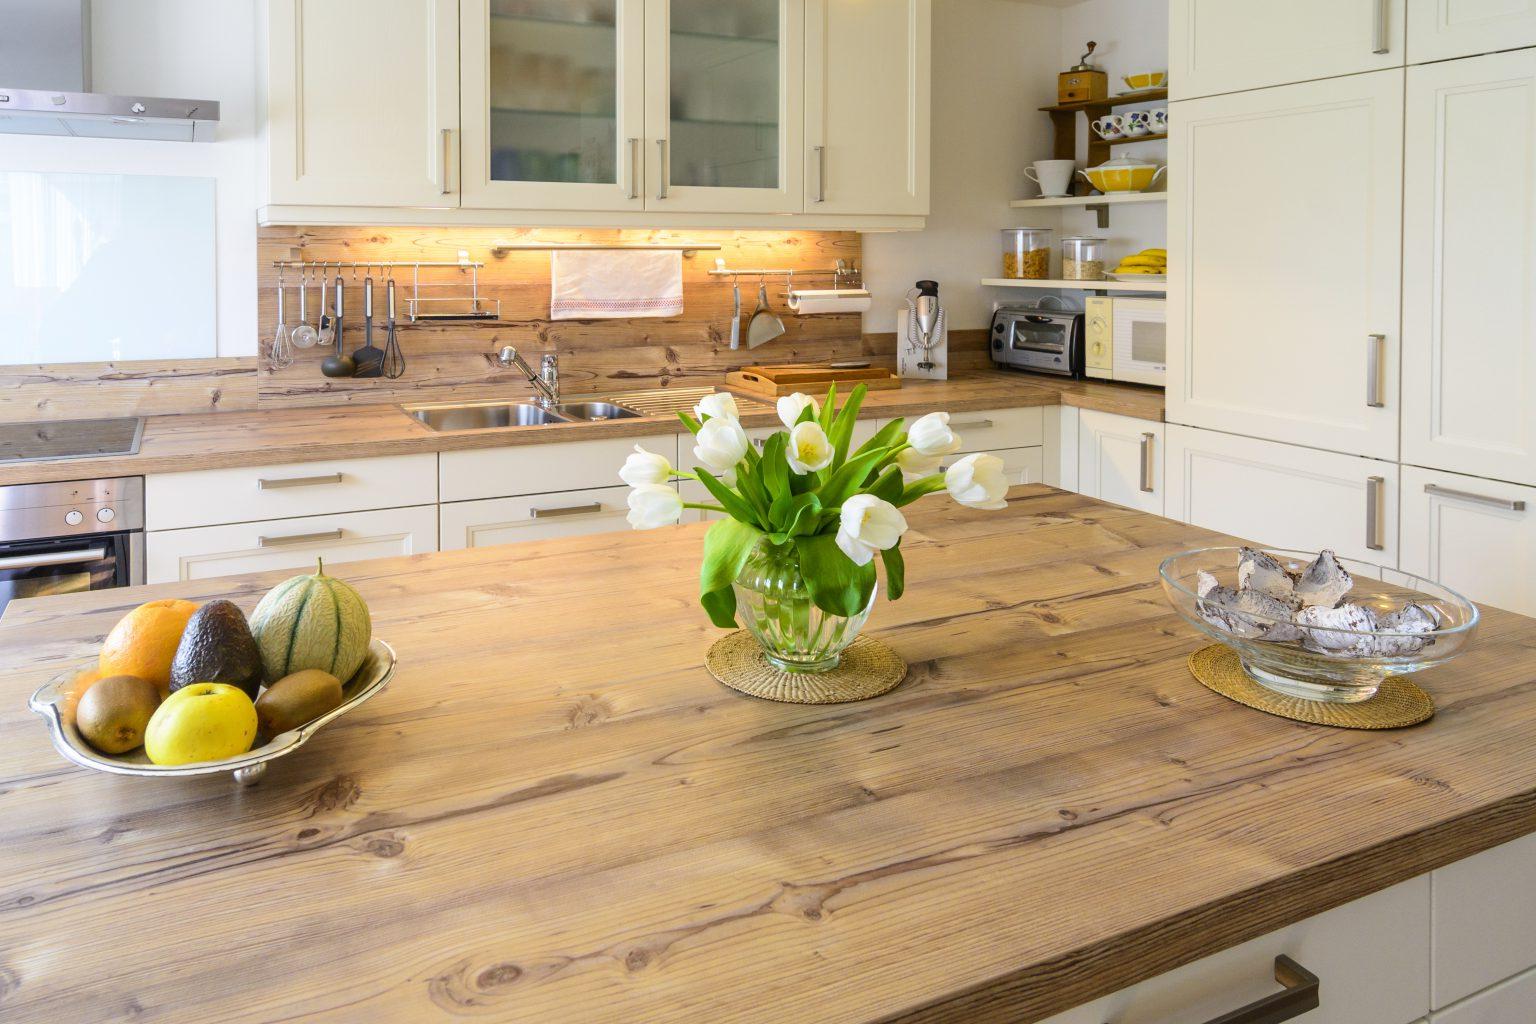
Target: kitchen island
column 554, row 814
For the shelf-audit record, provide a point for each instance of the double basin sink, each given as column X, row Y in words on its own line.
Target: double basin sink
column 491, row 415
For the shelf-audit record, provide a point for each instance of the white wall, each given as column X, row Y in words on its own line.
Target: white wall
column 994, row 62
column 193, row 49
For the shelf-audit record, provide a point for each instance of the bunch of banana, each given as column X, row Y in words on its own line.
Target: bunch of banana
column 1148, row 261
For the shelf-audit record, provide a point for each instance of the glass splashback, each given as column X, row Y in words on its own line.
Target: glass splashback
column 554, row 90
column 725, row 93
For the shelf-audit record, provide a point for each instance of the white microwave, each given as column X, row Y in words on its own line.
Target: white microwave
column 1126, row 339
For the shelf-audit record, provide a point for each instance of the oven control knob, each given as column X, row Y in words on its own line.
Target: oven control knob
column 105, row 515
column 73, row 517
column 1097, row 348
column 1097, row 324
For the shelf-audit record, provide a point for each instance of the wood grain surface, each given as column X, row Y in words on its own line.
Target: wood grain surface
column 553, row 814
column 275, row 436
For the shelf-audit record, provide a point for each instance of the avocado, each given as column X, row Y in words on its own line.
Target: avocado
column 296, row 699
column 114, row 712
column 217, row 647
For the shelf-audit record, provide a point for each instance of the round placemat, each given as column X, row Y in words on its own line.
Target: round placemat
column 1398, row 703
column 868, row 669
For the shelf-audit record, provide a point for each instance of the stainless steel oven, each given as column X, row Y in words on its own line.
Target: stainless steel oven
column 64, row 538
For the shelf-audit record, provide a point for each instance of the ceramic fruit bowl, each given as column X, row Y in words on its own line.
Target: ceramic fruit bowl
column 1361, row 632
column 1145, row 80
column 1122, row 175
column 50, row 702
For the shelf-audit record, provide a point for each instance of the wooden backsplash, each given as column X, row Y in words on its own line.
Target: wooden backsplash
column 457, row 359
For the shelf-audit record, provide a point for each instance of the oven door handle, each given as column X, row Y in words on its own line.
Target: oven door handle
column 42, row 561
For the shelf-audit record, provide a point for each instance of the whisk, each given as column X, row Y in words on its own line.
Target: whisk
column 280, row 352
column 394, row 359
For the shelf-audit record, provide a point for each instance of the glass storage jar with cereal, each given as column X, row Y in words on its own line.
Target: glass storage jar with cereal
column 1082, row 258
column 1027, row 253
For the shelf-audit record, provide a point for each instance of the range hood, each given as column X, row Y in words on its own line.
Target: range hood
column 45, row 83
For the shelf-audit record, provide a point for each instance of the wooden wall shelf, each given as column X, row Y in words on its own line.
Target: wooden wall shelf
column 1064, row 120
column 1109, row 102
column 1076, row 286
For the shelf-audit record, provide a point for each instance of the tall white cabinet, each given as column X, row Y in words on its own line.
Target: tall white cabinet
column 1442, row 29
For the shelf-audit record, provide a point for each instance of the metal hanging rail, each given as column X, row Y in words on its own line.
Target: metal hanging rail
column 842, row 270
column 501, row 249
column 419, row 307
column 375, row 265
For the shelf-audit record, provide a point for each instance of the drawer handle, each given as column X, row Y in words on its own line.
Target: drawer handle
column 1297, row 997
column 972, row 425
column 1508, row 504
column 1379, row 28
column 1146, row 462
column 297, row 481
column 1374, row 485
column 46, row 558
column 297, row 538
column 1373, row 365
column 569, row 510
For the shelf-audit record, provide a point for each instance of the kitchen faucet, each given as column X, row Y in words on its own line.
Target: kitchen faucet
column 546, row 382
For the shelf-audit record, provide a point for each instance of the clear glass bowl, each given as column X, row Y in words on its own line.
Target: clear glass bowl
column 1291, row 669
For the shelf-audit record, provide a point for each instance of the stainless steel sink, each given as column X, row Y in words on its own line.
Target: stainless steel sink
column 594, row 411
column 484, row 415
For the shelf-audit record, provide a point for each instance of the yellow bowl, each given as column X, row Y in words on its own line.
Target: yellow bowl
column 1123, row 179
column 1146, row 80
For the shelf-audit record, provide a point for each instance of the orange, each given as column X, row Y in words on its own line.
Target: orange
column 144, row 642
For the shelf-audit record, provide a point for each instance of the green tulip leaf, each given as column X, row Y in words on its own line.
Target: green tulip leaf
column 888, row 487
column 775, row 468
column 919, row 489
column 837, row 586
column 733, row 503
column 726, row 547
column 895, row 572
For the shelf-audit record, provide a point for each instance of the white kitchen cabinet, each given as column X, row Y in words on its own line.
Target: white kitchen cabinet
column 1368, row 955
column 553, row 107
column 1020, row 465
column 1281, row 495
column 208, row 551
column 1484, row 913
column 1476, row 536
column 1469, row 267
column 542, row 468
column 362, row 102
column 1120, row 460
column 1285, row 263
column 1509, row 1002
column 480, row 524
column 1220, row 46
column 1441, row 29
column 725, row 106
column 867, row 106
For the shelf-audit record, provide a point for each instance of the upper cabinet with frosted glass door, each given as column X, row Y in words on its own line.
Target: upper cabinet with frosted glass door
column 553, row 104
column 724, row 106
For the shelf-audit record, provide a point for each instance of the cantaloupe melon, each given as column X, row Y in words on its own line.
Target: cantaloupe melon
column 309, row 622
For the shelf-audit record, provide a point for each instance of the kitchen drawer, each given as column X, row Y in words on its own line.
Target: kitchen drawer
column 1509, row 1002
column 1369, row 957
column 1478, row 536
column 208, row 497
column 483, row 524
column 209, row 551
column 1485, row 921
column 543, row 468
column 992, row 429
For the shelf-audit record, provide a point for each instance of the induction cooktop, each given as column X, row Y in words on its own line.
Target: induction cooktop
column 69, row 439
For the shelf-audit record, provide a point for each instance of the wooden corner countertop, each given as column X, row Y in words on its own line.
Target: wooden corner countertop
column 555, row 814
column 272, row 437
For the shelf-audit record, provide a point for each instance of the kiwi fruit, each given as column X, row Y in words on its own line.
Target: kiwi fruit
column 296, row 699
column 114, row 712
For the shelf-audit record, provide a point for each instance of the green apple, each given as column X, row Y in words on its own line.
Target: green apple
column 201, row 722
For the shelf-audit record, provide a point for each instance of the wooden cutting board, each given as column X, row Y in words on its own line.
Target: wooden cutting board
column 777, row 381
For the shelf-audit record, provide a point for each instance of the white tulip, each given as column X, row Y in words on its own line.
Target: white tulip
column 720, row 444
column 977, row 481
column 720, row 406
column 915, row 463
column 808, row 449
column 654, row 505
column 931, row 435
column 645, row 467
column 869, row 524
column 791, row 406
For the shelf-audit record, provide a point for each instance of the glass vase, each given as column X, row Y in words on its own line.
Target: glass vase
column 775, row 605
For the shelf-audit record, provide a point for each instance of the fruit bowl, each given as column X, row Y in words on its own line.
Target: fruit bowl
column 49, row 700
column 1351, row 664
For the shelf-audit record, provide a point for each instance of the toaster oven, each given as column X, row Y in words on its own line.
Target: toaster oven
column 1038, row 340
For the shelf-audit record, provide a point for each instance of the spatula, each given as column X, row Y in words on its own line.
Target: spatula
column 369, row 358
column 736, row 316
column 764, row 325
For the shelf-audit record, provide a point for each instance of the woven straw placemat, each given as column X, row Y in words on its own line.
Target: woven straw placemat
column 868, row 669
column 1399, row 702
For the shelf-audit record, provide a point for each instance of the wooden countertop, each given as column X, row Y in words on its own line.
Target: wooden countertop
column 216, row 440
column 554, row 814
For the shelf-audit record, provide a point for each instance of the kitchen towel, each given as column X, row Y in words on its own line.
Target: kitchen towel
column 615, row 284
column 831, row 300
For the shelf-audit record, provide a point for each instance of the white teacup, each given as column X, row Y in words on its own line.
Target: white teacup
column 1137, row 122
column 1053, row 176
column 1160, row 120
column 1110, row 126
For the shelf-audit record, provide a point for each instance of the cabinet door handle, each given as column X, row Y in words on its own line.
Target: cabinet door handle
column 1298, row 996
column 569, row 510
column 821, row 172
column 1508, row 504
column 1146, row 461
column 297, row 481
column 43, row 559
column 662, row 171
column 634, row 168
column 972, row 425
column 1379, row 27
column 297, row 538
column 447, row 141
column 1373, row 367
column 1374, row 485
